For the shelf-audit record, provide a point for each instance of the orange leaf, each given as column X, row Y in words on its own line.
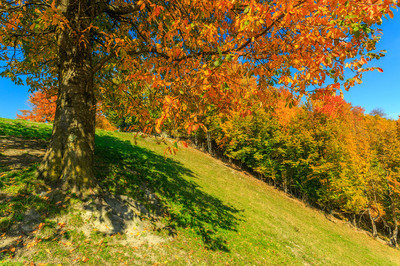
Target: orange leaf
column 61, row 225
column 184, row 143
column 41, row 226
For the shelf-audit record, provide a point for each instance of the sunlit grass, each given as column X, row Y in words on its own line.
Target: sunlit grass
column 214, row 214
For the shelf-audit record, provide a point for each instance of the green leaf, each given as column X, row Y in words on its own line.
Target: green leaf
column 218, row 62
column 357, row 33
column 226, row 86
column 219, row 52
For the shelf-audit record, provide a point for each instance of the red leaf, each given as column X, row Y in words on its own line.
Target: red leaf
column 184, row 143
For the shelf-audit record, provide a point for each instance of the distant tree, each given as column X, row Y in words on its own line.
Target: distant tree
column 43, row 108
column 378, row 112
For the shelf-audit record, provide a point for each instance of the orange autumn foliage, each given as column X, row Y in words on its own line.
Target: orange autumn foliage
column 43, row 108
column 103, row 123
column 176, row 51
column 332, row 106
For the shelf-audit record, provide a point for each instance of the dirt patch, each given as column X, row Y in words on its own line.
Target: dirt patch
column 18, row 153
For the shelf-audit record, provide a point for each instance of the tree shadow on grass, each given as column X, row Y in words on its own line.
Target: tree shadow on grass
column 19, row 153
column 125, row 169
column 24, row 209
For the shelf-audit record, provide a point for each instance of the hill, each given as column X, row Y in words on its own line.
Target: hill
column 184, row 209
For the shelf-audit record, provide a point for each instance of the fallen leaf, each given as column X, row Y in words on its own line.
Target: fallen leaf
column 72, row 250
column 41, row 226
column 33, row 243
column 61, row 225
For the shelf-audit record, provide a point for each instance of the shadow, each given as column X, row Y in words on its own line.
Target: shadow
column 136, row 182
column 26, row 204
column 19, row 153
column 125, row 169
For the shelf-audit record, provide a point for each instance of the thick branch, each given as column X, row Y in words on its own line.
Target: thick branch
column 114, row 10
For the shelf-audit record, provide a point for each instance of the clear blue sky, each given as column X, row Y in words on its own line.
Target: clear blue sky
column 382, row 90
column 378, row 90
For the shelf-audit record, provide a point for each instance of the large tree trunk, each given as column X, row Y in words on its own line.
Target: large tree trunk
column 68, row 162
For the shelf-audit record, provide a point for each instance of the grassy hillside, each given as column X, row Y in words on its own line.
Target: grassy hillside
column 194, row 209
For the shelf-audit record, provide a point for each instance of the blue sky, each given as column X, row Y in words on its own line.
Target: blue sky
column 378, row 90
column 382, row 90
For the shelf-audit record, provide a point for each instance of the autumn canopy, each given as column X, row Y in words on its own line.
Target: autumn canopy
column 176, row 59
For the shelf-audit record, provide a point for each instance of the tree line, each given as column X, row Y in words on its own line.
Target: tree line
column 325, row 151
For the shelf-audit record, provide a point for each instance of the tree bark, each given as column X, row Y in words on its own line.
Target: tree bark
column 393, row 236
column 394, row 233
column 374, row 230
column 209, row 144
column 69, row 159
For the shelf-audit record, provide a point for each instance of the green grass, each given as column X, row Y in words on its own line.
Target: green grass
column 24, row 129
column 213, row 214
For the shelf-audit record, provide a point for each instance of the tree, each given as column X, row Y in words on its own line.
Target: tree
column 379, row 112
column 43, row 108
column 163, row 55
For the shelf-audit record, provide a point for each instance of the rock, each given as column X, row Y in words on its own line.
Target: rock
column 119, row 215
column 30, row 221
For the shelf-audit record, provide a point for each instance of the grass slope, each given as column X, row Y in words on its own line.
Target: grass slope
column 213, row 214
